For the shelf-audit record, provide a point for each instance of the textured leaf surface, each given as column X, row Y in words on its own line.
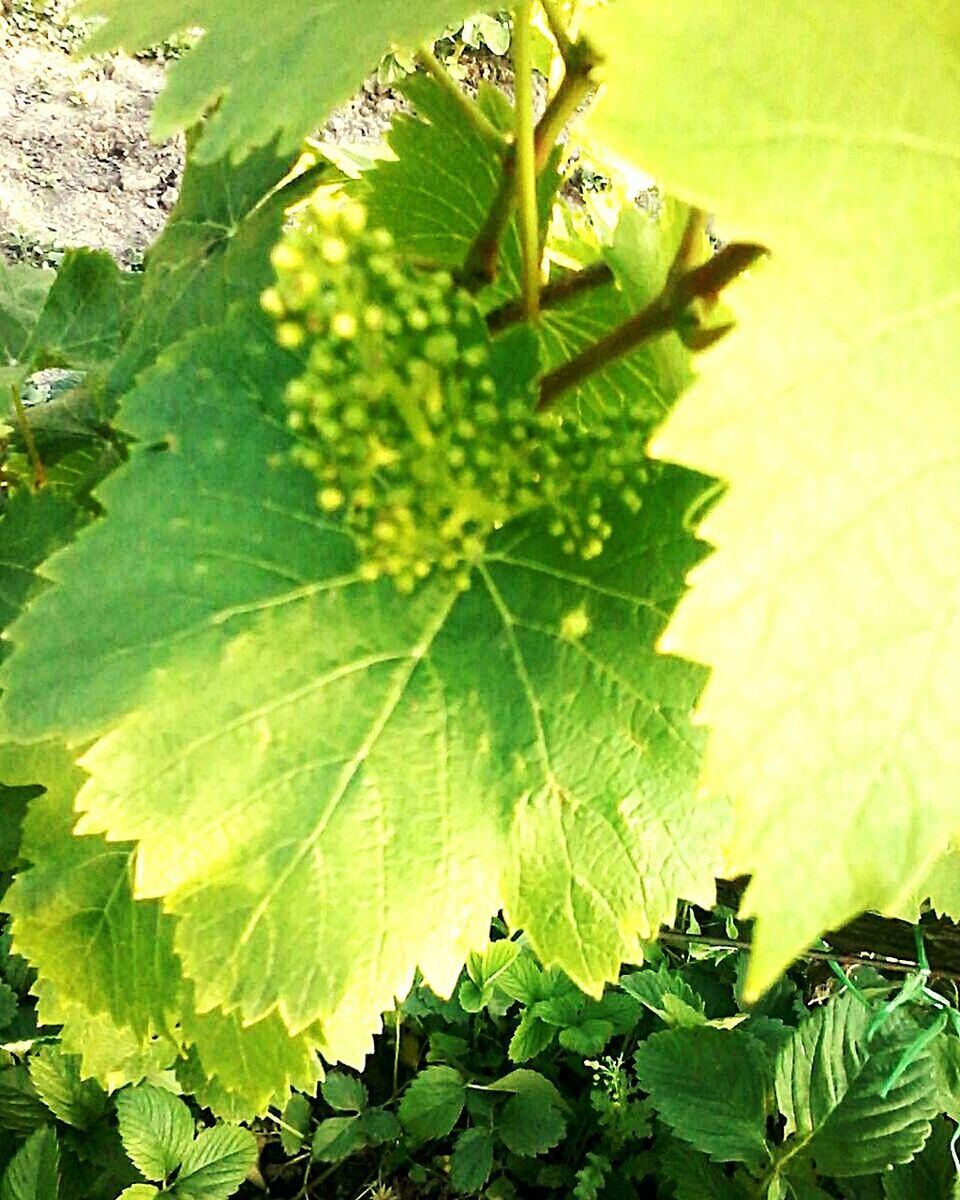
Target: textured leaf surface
column 695, row 1177
column 344, row 1092
column 829, row 1086
column 216, row 1163
column 931, row 1174
column 829, row 612
column 709, row 1087
column 284, row 713
column 34, row 1171
column 283, row 75
column 156, row 1128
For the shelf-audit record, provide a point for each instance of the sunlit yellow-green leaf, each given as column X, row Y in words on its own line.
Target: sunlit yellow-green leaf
column 830, row 613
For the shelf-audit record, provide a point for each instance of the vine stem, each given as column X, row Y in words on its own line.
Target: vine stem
column 480, row 265
column 39, row 474
column 662, row 315
column 554, row 294
column 469, row 108
column 526, row 179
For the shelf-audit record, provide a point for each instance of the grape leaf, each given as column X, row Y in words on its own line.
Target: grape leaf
column 156, row 1128
column 214, row 250
column 75, row 918
column 23, row 291
column 110, row 1053
column 285, row 74
column 216, row 1163
column 280, row 713
column 87, row 313
column 709, row 1086
column 34, row 525
column 830, row 1082
column 34, row 1171
column 829, row 613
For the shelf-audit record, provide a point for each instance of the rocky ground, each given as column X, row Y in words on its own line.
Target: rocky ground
column 77, row 166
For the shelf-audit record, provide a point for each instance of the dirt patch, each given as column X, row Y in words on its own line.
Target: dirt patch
column 76, row 164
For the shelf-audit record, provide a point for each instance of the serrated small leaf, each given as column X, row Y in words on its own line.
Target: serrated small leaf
column 711, row 1087
column 432, row 1104
column 651, row 987
column 471, row 1161
column 528, row 1124
column 216, row 1163
column 932, row 1175
column 156, row 1128
column 380, row 1126
column 34, row 1171
column 139, row 1191
column 832, row 1087
column 530, row 1038
column 56, row 1076
column 21, row 1109
column 337, row 1138
column 345, row 1092
column 296, row 1122
column 587, row 1038
column 523, row 980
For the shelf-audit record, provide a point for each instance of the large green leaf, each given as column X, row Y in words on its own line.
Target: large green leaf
column 832, row 1087
column 109, row 958
column 709, row 1086
column 87, row 313
column 829, row 612
column 266, row 714
column 23, row 291
column 33, row 526
column 435, row 196
column 214, row 250
column 281, row 74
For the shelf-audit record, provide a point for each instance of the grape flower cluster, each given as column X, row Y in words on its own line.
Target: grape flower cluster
column 398, row 416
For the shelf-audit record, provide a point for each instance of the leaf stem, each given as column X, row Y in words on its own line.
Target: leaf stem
column 526, row 175
column 468, row 107
column 659, row 317
column 40, row 475
column 580, row 59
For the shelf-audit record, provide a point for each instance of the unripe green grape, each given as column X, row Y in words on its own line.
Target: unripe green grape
column 399, row 420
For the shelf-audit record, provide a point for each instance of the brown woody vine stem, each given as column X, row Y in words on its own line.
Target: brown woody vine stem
column 661, row 316
column 580, row 60
column 39, row 474
column 553, row 295
column 526, row 181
